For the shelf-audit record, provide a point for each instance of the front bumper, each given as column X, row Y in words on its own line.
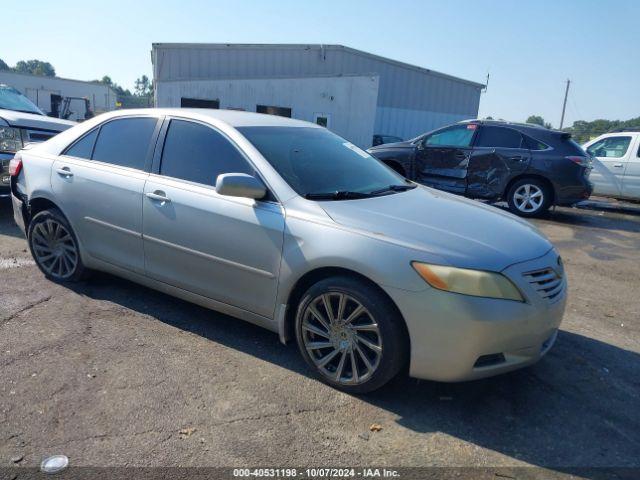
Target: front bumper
column 458, row 337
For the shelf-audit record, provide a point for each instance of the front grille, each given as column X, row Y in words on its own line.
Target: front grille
column 547, row 282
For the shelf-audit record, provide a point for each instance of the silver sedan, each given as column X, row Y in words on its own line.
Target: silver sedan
column 284, row 224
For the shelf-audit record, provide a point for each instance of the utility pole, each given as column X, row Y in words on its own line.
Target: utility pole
column 564, row 105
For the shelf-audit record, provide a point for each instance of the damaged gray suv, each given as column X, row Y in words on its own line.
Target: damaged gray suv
column 282, row 223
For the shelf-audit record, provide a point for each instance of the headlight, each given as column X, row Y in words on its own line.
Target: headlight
column 10, row 139
column 477, row 283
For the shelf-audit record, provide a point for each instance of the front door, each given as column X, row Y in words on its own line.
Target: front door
column 499, row 154
column 442, row 158
column 224, row 248
column 611, row 154
column 99, row 182
column 631, row 180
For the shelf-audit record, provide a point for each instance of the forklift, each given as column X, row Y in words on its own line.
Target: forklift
column 61, row 107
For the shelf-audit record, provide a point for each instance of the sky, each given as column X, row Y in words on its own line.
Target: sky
column 528, row 47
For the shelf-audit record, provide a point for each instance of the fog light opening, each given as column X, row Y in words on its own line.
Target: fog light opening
column 489, row 360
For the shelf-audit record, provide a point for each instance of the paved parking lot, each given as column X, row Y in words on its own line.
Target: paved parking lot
column 109, row 373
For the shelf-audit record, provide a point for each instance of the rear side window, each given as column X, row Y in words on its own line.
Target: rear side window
column 610, row 147
column 499, row 137
column 533, row 144
column 197, row 153
column 125, row 142
column 83, row 147
column 458, row 136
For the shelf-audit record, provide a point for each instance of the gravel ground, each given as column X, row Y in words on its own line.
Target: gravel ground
column 110, row 374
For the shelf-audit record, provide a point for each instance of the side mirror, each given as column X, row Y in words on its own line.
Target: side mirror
column 240, row 185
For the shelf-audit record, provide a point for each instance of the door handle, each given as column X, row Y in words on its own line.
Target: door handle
column 64, row 171
column 158, row 196
column 617, row 165
column 460, row 156
column 517, row 158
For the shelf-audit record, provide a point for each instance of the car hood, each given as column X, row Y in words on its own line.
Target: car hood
column 462, row 232
column 32, row 120
column 386, row 146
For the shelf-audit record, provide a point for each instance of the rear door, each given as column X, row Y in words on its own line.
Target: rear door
column 221, row 247
column 99, row 182
column 631, row 180
column 499, row 154
column 442, row 158
column 611, row 156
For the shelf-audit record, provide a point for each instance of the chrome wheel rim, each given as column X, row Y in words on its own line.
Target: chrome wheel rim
column 528, row 198
column 54, row 249
column 342, row 338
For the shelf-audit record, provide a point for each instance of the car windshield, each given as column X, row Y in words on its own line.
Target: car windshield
column 314, row 161
column 12, row 99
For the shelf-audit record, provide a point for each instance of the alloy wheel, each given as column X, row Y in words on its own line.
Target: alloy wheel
column 54, row 249
column 528, row 198
column 342, row 338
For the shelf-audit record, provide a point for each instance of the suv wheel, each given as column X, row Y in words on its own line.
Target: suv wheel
column 54, row 246
column 350, row 334
column 529, row 197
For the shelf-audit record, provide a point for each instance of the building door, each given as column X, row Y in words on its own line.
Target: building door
column 322, row 119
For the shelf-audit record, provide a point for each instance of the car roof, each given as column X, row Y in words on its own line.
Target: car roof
column 532, row 128
column 234, row 118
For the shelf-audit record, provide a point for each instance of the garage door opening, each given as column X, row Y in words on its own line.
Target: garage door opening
column 198, row 103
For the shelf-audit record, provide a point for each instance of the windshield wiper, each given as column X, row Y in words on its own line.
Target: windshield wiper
column 393, row 188
column 338, row 195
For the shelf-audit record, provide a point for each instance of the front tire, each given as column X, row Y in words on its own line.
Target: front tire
column 54, row 247
column 351, row 335
column 529, row 197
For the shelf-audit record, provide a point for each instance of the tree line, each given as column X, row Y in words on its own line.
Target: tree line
column 582, row 131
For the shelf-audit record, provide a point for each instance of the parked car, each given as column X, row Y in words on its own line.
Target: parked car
column 529, row 166
column 284, row 224
column 21, row 122
column 616, row 171
column 382, row 139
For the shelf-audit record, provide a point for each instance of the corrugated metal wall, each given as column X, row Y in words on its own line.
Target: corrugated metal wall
column 404, row 90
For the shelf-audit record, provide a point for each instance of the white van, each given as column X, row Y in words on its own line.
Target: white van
column 616, row 165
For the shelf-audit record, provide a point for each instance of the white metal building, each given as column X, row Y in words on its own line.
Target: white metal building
column 49, row 92
column 410, row 100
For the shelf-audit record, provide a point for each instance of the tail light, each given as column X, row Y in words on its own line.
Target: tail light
column 15, row 165
column 579, row 160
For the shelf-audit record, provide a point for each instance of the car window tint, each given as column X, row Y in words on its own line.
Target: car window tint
column 83, row 147
column 458, row 136
column 197, row 153
column 499, row 137
column 125, row 141
column 533, row 144
column 610, row 147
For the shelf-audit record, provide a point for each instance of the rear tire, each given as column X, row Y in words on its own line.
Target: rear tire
column 54, row 247
column 529, row 197
column 363, row 333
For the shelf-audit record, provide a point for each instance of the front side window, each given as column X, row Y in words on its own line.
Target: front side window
column 610, row 147
column 315, row 160
column 197, row 153
column 499, row 137
column 125, row 141
column 83, row 147
column 458, row 136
